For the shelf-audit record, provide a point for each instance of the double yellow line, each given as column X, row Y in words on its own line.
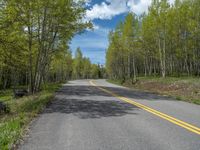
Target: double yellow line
column 171, row 119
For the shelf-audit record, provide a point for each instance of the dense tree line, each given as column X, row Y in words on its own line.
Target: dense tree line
column 84, row 69
column 34, row 35
column 165, row 42
column 64, row 67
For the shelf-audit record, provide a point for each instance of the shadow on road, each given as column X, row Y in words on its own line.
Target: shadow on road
column 85, row 109
column 136, row 94
column 94, row 91
column 90, row 102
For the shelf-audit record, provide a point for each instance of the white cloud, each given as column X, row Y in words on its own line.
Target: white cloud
column 106, row 10
column 171, row 1
column 140, row 7
column 96, row 27
column 110, row 8
column 87, row 2
column 99, row 30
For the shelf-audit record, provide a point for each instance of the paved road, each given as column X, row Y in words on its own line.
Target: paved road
column 83, row 117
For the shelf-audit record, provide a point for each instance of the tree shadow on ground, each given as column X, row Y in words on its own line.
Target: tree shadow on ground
column 86, row 109
column 90, row 102
column 136, row 94
column 94, row 91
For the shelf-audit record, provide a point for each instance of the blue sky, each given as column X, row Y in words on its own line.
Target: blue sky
column 105, row 15
column 94, row 43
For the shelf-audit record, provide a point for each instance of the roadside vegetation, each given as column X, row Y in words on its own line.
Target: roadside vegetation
column 20, row 112
column 34, row 41
column 163, row 42
column 184, row 88
column 158, row 51
column 34, row 51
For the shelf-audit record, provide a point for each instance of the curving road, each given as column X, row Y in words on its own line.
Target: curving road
column 96, row 115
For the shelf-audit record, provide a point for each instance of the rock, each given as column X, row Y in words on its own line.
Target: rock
column 4, row 108
column 20, row 93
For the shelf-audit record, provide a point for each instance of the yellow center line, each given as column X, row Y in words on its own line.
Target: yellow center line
column 171, row 119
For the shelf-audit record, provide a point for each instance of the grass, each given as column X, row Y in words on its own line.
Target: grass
column 5, row 95
column 183, row 88
column 22, row 111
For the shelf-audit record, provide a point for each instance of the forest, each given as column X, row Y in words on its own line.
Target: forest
column 35, row 59
column 157, row 51
column 34, row 43
column 164, row 42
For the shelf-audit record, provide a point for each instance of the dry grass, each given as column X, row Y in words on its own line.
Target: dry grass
column 186, row 89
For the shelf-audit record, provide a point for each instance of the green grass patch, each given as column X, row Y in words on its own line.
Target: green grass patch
column 22, row 111
column 6, row 95
column 117, row 82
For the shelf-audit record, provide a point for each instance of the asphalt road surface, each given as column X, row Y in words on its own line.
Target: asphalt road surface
column 98, row 115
